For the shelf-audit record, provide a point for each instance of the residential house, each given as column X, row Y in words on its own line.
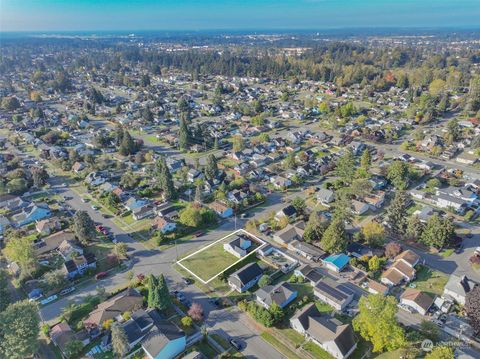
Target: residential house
column 325, row 196
column 68, row 249
column 359, row 207
column 336, row 295
column 128, row 300
column 164, row 341
column 30, row 214
column 95, row 179
column 358, row 250
column 280, row 182
column 289, row 211
column 329, row 333
column 292, row 232
column 48, row 226
column 52, row 242
column 306, row 250
column 336, row 262
column 416, row 299
column 4, row 223
column 402, row 270
column 238, row 246
column 61, row 335
column 163, row 225
column 282, row 294
column 79, row 265
column 457, row 288
column 78, row 167
column 221, row 209
column 245, row 278
column 375, row 287
column 309, row 274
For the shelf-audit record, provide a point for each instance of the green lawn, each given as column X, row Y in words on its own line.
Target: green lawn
column 316, row 351
column 294, row 337
column 323, row 307
column 205, row 349
column 430, row 281
column 209, row 262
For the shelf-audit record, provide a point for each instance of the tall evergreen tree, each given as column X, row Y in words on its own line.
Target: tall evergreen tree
column 211, row 168
column 396, row 218
column 84, row 227
column 366, row 159
column 5, row 297
column 152, row 299
column 127, row 146
column 346, row 166
column 119, row 340
column 334, row 240
column 164, row 300
column 165, row 180
column 184, row 137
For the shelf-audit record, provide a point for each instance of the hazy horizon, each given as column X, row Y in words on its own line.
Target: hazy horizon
column 232, row 15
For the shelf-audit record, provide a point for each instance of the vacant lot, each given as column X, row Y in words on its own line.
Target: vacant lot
column 209, row 262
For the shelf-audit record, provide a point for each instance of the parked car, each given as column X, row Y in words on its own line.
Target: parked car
column 235, row 344
column 198, row 234
column 187, row 281
column 67, row 290
column 101, row 275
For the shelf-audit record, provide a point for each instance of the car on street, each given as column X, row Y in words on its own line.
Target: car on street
column 67, row 290
column 101, row 275
column 84, row 200
column 187, row 281
column 94, row 207
column 198, row 234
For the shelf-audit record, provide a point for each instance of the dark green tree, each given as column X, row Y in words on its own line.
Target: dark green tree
column 165, row 180
column 184, row 136
column 211, row 168
column 19, row 329
column 334, row 239
column 396, row 219
column 84, row 227
column 5, row 298
column 346, row 166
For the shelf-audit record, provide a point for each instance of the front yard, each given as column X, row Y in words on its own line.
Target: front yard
column 430, row 281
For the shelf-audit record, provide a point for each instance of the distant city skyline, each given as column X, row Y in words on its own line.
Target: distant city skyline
column 91, row 15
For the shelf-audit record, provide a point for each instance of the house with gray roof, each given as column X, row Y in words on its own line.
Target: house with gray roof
column 328, row 332
column 282, row 294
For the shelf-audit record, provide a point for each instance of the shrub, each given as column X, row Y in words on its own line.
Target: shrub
column 187, row 322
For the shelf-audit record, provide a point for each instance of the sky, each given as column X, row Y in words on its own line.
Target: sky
column 92, row 15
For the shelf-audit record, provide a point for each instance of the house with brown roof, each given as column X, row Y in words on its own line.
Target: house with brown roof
column 126, row 301
column 52, row 242
column 328, row 332
column 163, row 225
column 402, row 270
column 290, row 233
column 221, row 209
column 416, row 299
column 375, row 287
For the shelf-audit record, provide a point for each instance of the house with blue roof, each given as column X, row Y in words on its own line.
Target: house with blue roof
column 31, row 214
column 336, row 262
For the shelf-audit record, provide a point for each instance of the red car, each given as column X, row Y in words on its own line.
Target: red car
column 199, row 233
column 100, row 228
column 101, row 275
